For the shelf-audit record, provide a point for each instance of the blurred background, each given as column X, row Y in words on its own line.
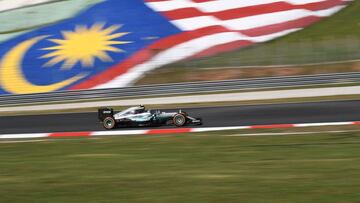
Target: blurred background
column 328, row 44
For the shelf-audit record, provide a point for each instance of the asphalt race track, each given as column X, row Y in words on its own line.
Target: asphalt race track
column 212, row 117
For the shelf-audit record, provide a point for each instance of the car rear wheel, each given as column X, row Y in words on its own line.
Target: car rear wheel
column 179, row 120
column 109, row 123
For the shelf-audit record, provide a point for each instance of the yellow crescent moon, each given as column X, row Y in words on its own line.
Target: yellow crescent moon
column 11, row 75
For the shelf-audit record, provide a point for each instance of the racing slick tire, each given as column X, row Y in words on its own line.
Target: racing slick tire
column 179, row 120
column 109, row 123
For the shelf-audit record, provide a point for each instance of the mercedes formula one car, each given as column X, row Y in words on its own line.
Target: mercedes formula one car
column 139, row 116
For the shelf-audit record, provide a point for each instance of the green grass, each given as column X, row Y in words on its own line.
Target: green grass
column 183, row 168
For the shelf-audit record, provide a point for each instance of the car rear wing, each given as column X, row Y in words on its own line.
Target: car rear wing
column 105, row 112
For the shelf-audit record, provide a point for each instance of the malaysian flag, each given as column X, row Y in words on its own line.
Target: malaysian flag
column 113, row 43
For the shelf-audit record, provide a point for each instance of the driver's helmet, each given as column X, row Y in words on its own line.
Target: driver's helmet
column 141, row 109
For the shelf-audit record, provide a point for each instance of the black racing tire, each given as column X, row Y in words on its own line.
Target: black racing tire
column 179, row 120
column 109, row 123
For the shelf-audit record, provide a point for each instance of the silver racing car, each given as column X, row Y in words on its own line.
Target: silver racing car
column 139, row 116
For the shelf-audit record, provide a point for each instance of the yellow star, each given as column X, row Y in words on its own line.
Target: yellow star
column 85, row 45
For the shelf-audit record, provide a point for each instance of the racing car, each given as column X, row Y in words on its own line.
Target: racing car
column 139, row 116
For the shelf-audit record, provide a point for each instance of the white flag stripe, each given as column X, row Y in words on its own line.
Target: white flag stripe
column 183, row 51
column 220, row 5
column 14, row 4
column 251, row 21
column 211, row 6
column 197, row 22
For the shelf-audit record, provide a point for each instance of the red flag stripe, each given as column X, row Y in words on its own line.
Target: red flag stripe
column 266, row 30
column 254, row 32
column 223, row 48
column 250, row 10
